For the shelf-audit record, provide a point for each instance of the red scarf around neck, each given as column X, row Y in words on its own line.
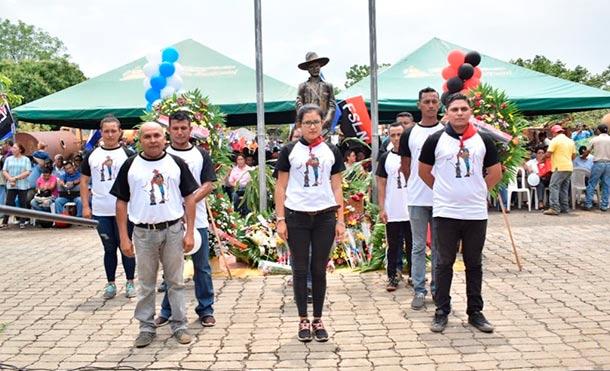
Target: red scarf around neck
column 468, row 133
column 315, row 142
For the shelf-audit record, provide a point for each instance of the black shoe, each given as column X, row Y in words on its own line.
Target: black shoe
column 161, row 321
column 162, row 287
column 603, row 210
column 144, row 339
column 319, row 332
column 392, row 284
column 304, row 334
column 477, row 319
column 439, row 322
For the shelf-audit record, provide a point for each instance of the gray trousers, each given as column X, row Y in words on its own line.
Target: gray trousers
column 559, row 189
column 151, row 247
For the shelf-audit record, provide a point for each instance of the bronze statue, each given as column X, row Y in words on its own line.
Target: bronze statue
column 315, row 90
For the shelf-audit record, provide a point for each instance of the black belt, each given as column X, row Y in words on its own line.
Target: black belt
column 318, row 212
column 163, row 225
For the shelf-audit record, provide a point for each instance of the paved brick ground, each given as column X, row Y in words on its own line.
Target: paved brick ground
column 553, row 315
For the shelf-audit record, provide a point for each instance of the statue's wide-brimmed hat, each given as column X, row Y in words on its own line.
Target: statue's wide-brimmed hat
column 312, row 57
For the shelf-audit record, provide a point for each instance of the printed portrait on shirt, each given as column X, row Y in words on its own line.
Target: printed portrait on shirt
column 107, row 169
column 312, row 171
column 157, row 188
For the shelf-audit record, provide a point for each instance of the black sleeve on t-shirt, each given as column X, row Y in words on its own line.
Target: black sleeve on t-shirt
column 427, row 155
column 207, row 169
column 120, row 188
column 403, row 145
column 85, row 168
column 338, row 166
column 491, row 152
column 283, row 161
column 128, row 151
column 381, row 165
column 188, row 184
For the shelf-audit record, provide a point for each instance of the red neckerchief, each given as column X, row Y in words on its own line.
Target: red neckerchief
column 468, row 133
column 314, row 142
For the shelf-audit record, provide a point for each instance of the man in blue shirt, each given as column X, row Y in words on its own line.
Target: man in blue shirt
column 69, row 189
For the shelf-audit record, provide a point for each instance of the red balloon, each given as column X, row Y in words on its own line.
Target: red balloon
column 471, row 83
column 449, row 72
column 477, row 73
column 456, row 58
column 445, row 86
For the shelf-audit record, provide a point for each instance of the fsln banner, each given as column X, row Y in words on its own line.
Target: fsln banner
column 355, row 120
column 6, row 121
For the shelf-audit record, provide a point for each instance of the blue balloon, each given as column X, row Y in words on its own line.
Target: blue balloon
column 152, row 95
column 158, row 82
column 149, row 107
column 169, row 55
column 167, row 69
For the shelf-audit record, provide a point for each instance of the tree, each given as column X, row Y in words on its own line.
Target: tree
column 21, row 41
column 358, row 72
column 559, row 69
column 6, row 91
column 36, row 79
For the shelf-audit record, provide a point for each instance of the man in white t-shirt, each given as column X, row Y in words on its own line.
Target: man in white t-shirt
column 419, row 196
column 101, row 167
column 156, row 189
column 201, row 166
column 459, row 165
column 392, row 200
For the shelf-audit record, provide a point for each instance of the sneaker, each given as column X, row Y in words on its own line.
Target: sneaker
column 410, row 282
column 550, row 212
column 144, row 339
column 478, row 320
column 304, row 334
column 418, row 301
column 319, row 332
column 603, row 210
column 182, row 336
column 161, row 321
column 109, row 291
column 130, row 290
column 586, row 208
column 208, row 321
column 439, row 322
column 392, row 284
column 162, row 287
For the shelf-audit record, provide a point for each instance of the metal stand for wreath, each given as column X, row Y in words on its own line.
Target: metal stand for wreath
column 510, row 233
column 219, row 250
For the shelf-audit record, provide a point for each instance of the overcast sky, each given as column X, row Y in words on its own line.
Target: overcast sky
column 102, row 35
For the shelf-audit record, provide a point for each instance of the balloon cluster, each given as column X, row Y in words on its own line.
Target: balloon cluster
column 462, row 73
column 162, row 76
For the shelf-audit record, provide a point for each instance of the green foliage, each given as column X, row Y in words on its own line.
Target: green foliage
column 252, row 192
column 378, row 246
column 34, row 79
column 359, row 71
column 20, row 41
column 559, row 69
column 493, row 107
column 6, row 91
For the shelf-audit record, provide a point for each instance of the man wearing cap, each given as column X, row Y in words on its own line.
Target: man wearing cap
column 157, row 189
column 562, row 152
column 600, row 147
column 315, row 90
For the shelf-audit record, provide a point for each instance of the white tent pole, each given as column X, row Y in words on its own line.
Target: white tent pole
column 373, row 102
column 260, row 108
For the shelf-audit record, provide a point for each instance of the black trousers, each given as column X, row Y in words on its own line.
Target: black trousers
column 11, row 196
column 399, row 237
column 317, row 232
column 448, row 232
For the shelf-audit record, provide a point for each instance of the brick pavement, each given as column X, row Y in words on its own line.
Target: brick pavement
column 553, row 315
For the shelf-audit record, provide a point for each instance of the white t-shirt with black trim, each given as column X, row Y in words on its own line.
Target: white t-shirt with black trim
column 309, row 187
column 102, row 166
column 460, row 191
column 154, row 189
column 395, row 202
column 201, row 166
column 411, row 143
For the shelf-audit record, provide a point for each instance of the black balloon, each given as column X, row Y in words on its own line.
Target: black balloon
column 444, row 98
column 473, row 58
column 465, row 71
column 454, row 85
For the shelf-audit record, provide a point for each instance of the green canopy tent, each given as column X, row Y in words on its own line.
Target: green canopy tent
column 228, row 83
column 533, row 92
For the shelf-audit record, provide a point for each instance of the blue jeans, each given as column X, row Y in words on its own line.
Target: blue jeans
column 61, row 202
column 109, row 234
column 204, row 289
column 419, row 217
column 599, row 173
column 2, row 196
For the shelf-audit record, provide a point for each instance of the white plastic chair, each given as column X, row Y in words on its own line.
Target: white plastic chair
column 514, row 187
column 578, row 186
